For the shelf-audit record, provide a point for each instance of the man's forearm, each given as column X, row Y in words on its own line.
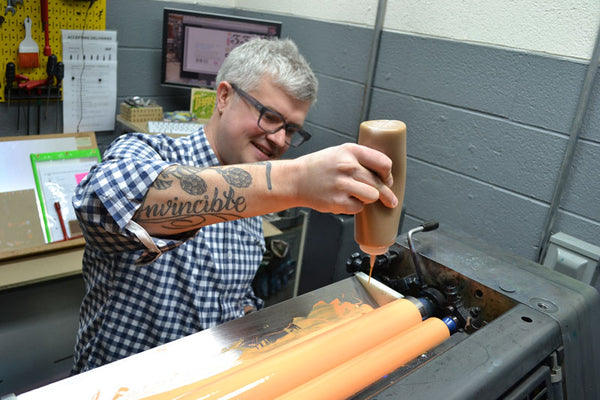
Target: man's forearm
column 338, row 179
column 186, row 198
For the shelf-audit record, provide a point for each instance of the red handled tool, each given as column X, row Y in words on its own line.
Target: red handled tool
column 61, row 220
column 44, row 7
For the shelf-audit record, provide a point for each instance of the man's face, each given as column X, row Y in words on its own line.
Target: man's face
column 238, row 138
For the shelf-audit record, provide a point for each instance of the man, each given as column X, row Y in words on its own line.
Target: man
column 172, row 226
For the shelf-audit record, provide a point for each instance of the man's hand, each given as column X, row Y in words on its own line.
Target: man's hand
column 342, row 179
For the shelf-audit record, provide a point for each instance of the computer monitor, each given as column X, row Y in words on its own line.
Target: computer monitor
column 196, row 43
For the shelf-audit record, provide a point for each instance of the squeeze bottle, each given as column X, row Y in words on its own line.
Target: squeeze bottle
column 376, row 226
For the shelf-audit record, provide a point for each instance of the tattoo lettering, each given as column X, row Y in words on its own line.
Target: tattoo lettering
column 175, row 214
column 222, row 205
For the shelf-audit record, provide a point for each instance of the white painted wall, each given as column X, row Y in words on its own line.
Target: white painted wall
column 565, row 28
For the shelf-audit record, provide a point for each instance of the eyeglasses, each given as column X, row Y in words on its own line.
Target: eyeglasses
column 271, row 121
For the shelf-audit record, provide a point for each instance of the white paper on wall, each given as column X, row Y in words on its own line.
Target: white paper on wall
column 90, row 80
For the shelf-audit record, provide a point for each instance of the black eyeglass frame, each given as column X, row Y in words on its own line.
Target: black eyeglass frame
column 295, row 134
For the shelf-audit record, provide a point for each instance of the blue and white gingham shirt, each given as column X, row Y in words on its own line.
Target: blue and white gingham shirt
column 144, row 291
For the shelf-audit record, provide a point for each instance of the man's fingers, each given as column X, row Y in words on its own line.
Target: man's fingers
column 375, row 188
column 376, row 162
column 387, row 197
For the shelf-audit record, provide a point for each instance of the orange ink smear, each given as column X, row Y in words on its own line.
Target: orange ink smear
column 365, row 369
column 322, row 316
column 297, row 362
column 120, row 393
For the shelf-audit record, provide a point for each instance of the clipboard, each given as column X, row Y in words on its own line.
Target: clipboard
column 15, row 164
column 56, row 175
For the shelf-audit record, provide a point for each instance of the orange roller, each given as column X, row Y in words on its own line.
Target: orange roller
column 365, row 369
column 246, row 361
column 279, row 373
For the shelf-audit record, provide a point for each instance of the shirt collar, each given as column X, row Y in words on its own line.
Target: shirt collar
column 201, row 148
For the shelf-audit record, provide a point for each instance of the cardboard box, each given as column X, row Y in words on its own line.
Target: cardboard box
column 130, row 113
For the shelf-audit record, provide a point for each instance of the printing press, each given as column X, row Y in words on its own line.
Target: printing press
column 520, row 331
column 533, row 331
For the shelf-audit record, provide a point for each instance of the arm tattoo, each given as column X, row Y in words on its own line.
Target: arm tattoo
column 189, row 181
column 268, row 172
column 267, row 165
column 162, row 184
column 219, row 205
column 236, row 177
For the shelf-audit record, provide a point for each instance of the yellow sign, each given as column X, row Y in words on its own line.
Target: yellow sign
column 203, row 102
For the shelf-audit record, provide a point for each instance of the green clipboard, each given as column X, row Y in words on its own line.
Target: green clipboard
column 56, row 175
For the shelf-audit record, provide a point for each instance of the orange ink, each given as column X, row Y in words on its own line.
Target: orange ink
column 323, row 316
column 365, row 369
column 120, row 393
column 372, row 262
column 296, row 362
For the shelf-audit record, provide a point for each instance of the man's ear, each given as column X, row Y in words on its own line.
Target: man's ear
column 224, row 95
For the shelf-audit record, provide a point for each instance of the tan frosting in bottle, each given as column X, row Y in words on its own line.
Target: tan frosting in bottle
column 376, row 226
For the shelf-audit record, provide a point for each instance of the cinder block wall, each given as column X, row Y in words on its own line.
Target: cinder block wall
column 487, row 126
column 488, row 129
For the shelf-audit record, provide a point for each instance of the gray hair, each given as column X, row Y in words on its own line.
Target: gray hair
column 278, row 59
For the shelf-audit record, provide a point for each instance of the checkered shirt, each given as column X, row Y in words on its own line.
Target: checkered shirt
column 143, row 291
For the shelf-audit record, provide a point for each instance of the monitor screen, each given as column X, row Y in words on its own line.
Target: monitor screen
column 196, row 43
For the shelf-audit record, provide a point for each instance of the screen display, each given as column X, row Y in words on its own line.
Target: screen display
column 195, row 44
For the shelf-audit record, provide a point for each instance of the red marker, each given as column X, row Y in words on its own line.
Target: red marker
column 60, row 219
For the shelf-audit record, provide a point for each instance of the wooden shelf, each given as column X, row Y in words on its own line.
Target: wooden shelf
column 45, row 248
column 133, row 126
column 54, row 260
column 42, row 263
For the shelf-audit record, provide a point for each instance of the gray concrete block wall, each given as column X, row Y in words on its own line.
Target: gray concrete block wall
column 495, row 123
column 491, row 120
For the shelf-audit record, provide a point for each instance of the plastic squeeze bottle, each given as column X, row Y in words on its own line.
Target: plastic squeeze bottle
column 376, row 226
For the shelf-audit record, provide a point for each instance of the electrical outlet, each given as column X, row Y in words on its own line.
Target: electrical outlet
column 573, row 257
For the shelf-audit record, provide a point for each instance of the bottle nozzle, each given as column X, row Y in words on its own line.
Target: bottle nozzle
column 374, row 250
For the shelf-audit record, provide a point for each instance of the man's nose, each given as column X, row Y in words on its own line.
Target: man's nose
column 278, row 137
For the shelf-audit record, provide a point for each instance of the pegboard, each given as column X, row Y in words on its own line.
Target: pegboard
column 62, row 14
